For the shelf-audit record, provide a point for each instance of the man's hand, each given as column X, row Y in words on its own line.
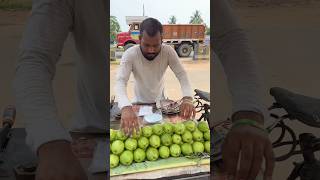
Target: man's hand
column 129, row 120
column 57, row 162
column 253, row 144
column 187, row 109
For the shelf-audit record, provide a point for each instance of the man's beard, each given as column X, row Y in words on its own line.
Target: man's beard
column 149, row 56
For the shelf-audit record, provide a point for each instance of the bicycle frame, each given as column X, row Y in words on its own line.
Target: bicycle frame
column 200, row 106
column 309, row 169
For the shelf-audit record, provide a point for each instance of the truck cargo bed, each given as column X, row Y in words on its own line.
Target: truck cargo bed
column 184, row 31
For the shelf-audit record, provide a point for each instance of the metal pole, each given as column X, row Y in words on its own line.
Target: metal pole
column 143, row 9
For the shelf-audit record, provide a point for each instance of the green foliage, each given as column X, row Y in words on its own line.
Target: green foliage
column 196, row 18
column 114, row 28
column 172, row 20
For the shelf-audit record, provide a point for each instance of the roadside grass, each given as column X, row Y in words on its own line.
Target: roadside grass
column 14, row 5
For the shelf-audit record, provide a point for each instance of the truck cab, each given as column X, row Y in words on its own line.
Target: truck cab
column 131, row 37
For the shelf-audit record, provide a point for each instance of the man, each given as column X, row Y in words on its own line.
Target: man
column 148, row 62
column 47, row 29
column 247, row 137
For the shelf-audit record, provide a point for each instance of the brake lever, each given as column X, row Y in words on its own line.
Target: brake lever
column 5, row 143
column 112, row 101
column 275, row 106
column 8, row 119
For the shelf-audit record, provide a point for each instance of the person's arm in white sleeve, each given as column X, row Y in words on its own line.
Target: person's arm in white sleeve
column 247, row 137
column 45, row 34
column 240, row 66
column 122, row 78
column 180, row 73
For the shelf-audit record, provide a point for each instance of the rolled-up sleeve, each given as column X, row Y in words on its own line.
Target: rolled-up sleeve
column 46, row 31
column 240, row 66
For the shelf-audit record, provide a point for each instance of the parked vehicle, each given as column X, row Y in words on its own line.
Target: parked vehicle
column 182, row 37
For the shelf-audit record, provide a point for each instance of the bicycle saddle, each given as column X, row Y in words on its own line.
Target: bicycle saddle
column 203, row 95
column 303, row 108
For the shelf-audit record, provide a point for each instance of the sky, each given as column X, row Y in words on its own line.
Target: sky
column 160, row 9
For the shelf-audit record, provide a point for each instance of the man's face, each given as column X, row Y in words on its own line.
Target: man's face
column 150, row 46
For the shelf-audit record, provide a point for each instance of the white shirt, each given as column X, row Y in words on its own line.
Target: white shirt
column 148, row 75
column 49, row 25
column 239, row 64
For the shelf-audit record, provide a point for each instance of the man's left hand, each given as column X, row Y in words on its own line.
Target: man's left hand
column 253, row 144
column 187, row 109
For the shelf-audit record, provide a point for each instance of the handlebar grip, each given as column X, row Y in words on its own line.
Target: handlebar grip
column 9, row 116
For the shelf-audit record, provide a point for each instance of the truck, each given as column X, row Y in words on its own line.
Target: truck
column 182, row 37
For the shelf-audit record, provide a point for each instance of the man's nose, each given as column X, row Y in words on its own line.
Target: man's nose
column 151, row 50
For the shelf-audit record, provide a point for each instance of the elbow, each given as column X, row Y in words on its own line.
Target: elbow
column 181, row 75
column 229, row 41
column 120, row 85
column 32, row 60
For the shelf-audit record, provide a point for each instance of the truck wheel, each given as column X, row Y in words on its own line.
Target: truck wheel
column 127, row 46
column 184, row 50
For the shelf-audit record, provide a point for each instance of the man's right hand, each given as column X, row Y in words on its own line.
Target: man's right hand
column 129, row 120
column 57, row 162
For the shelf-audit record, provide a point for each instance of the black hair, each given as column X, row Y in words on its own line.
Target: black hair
column 151, row 26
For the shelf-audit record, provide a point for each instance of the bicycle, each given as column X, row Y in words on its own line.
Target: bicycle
column 298, row 107
column 202, row 101
column 202, row 104
column 306, row 110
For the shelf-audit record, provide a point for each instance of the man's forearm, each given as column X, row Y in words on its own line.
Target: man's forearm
column 43, row 40
column 185, row 86
column 122, row 97
column 35, row 101
column 184, row 82
column 231, row 46
column 241, row 71
column 180, row 73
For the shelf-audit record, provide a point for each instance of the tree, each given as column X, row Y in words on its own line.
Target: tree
column 196, row 18
column 207, row 30
column 114, row 28
column 172, row 20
